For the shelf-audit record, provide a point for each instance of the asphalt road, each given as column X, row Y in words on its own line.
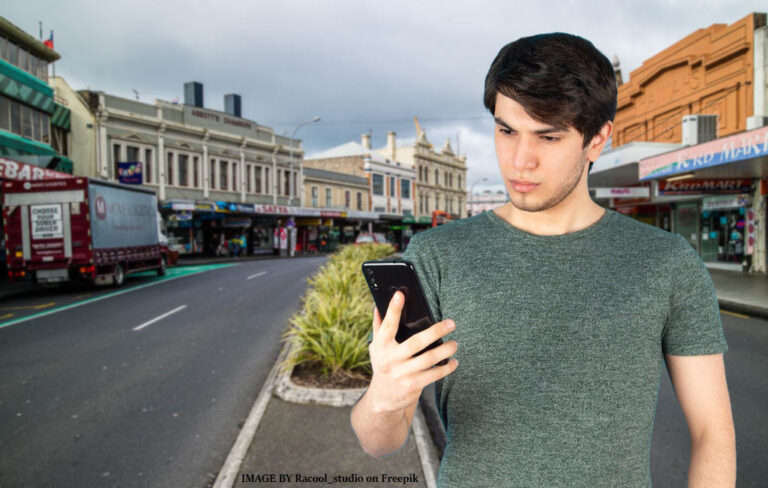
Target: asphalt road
column 86, row 400
column 746, row 364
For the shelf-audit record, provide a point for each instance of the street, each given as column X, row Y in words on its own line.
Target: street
column 86, row 400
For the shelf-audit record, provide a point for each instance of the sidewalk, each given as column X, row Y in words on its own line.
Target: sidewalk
column 741, row 292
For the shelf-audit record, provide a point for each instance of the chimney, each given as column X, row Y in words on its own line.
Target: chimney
column 367, row 140
column 232, row 104
column 193, row 94
column 391, row 147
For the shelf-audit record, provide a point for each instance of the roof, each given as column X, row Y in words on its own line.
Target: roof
column 347, row 149
column 20, row 37
column 332, row 175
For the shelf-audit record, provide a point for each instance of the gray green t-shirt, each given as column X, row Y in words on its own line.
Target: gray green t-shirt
column 560, row 346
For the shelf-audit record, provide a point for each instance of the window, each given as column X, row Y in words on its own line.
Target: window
column 437, row 179
column 33, row 64
column 405, row 189
column 295, row 183
column 234, row 176
column 378, row 185
column 15, row 117
column 459, row 182
column 426, row 203
column 223, row 174
column 392, row 187
column 287, row 181
column 169, row 170
column 46, row 135
column 347, row 198
column 115, row 158
column 148, row 166
column 183, row 170
column 26, row 121
column 328, row 201
column 42, row 71
column 23, row 58
column 13, row 52
column 248, row 178
column 420, row 168
column 212, row 174
column 132, row 154
column 421, row 204
column 359, row 200
column 266, row 181
column 3, row 48
column 257, row 170
column 445, row 179
column 314, row 196
column 5, row 110
column 36, row 126
column 196, row 172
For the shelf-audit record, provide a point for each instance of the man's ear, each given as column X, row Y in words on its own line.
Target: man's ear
column 599, row 141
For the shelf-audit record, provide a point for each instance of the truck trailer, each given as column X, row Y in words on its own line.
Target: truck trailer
column 81, row 230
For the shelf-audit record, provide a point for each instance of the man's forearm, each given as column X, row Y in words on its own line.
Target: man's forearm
column 379, row 433
column 713, row 461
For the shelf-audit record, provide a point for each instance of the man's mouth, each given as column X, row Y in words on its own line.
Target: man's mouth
column 523, row 186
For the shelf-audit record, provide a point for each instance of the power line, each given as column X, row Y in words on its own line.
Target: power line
column 378, row 121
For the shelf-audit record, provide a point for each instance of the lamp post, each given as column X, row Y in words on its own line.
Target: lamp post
column 291, row 189
column 472, row 194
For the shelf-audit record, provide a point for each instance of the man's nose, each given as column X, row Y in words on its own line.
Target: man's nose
column 524, row 154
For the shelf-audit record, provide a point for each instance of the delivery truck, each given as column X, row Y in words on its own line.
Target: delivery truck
column 81, row 229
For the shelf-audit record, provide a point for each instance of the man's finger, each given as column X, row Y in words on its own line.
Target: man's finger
column 376, row 320
column 392, row 318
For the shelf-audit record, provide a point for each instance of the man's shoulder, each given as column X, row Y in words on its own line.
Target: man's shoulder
column 642, row 236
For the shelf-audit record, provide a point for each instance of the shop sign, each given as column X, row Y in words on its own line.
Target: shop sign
column 738, row 147
column 179, row 217
column 16, row 170
column 306, row 212
column 409, row 219
column 233, row 222
column 698, row 187
column 204, row 207
column 226, row 207
column 331, row 213
column 129, row 172
column 271, row 209
column 328, row 222
column 629, row 192
column 725, row 201
column 244, row 207
column 308, row 222
column 187, row 207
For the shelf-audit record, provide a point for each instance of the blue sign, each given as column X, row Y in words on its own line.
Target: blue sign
column 129, row 172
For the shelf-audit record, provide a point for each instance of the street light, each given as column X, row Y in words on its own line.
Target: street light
column 472, row 194
column 291, row 189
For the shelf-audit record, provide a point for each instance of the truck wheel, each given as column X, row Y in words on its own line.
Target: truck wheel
column 161, row 269
column 119, row 276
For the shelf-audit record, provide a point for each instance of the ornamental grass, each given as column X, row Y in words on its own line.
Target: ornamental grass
column 330, row 330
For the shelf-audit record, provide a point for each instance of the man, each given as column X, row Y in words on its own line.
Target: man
column 559, row 312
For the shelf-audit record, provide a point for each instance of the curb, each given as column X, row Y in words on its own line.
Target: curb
column 745, row 308
column 288, row 391
column 229, row 471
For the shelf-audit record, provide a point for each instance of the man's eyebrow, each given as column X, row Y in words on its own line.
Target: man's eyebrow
column 547, row 130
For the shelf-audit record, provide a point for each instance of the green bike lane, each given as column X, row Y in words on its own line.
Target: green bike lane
column 42, row 302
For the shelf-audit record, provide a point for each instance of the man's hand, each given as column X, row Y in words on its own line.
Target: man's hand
column 398, row 377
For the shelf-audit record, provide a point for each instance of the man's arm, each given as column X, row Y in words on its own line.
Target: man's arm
column 702, row 392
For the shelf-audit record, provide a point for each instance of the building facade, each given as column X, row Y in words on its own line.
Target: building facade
column 487, row 200
column 441, row 177
column 690, row 146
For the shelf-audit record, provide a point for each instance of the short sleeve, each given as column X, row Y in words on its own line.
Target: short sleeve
column 418, row 253
column 693, row 324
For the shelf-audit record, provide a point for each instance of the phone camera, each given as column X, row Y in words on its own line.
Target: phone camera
column 369, row 272
column 375, row 285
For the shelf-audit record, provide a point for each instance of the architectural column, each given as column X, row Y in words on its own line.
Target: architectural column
column 274, row 175
column 161, row 164
column 206, row 166
column 241, row 170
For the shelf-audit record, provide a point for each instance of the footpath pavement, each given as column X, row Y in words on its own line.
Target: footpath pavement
column 283, row 439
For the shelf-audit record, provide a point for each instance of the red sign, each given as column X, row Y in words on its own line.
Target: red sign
column 16, row 170
column 698, row 187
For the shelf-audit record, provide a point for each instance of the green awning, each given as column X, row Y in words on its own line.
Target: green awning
column 61, row 117
column 22, row 86
column 14, row 145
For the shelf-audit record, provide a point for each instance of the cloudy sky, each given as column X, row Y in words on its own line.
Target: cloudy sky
column 361, row 66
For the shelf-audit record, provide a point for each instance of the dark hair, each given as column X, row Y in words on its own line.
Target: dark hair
column 560, row 79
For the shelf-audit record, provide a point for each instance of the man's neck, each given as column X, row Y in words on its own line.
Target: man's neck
column 554, row 221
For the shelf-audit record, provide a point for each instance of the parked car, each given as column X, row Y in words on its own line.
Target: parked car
column 364, row 237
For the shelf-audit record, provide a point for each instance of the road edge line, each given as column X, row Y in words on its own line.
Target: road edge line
column 229, row 471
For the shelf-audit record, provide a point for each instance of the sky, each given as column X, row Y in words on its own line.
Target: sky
column 362, row 66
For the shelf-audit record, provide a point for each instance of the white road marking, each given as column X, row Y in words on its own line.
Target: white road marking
column 256, row 275
column 159, row 317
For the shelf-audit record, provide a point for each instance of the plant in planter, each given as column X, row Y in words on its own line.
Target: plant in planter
column 329, row 334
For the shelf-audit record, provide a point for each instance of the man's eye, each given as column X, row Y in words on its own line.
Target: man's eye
column 551, row 138
column 505, row 131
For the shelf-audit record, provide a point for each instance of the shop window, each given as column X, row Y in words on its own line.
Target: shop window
column 148, row 166
column 183, row 170
column 169, row 169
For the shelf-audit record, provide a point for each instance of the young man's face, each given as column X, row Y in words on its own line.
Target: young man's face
column 541, row 165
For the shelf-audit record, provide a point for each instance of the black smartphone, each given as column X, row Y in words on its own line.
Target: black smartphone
column 384, row 278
